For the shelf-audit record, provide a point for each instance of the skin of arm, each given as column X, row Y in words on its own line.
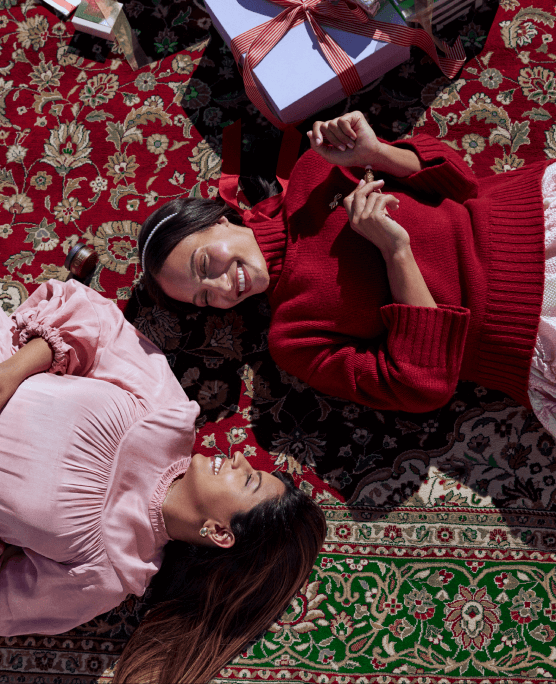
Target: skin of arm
column 35, row 357
column 350, row 141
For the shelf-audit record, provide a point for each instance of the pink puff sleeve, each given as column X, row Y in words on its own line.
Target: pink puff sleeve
column 63, row 315
column 90, row 337
column 79, row 592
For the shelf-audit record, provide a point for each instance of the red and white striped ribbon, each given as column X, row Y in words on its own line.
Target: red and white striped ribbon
column 259, row 41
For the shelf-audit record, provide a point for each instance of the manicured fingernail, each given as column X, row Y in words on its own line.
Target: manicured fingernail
column 318, row 140
column 362, row 182
column 342, row 147
column 350, row 145
column 368, row 167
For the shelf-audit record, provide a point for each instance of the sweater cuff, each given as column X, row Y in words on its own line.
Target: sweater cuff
column 444, row 172
column 27, row 330
column 427, row 337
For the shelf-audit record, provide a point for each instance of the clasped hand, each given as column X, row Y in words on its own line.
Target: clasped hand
column 367, row 210
column 347, row 140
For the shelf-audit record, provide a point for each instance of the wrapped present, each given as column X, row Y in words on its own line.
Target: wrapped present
column 295, row 78
column 64, row 7
column 106, row 19
column 434, row 12
column 372, row 7
column 299, row 56
column 90, row 18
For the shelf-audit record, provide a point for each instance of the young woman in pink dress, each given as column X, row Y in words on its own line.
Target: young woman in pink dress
column 100, row 492
column 385, row 293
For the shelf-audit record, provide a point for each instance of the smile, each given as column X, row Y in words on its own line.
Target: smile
column 217, row 464
column 240, row 278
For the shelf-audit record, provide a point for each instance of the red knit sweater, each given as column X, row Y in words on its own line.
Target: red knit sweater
column 479, row 245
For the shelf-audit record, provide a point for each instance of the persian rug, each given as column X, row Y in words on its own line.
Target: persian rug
column 439, row 565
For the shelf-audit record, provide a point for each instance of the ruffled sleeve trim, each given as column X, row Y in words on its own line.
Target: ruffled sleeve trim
column 27, row 330
column 155, row 506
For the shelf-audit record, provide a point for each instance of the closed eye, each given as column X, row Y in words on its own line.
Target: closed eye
column 248, row 479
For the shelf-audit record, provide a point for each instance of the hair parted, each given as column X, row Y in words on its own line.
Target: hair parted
column 215, row 601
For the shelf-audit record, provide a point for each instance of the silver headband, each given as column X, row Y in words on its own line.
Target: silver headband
column 153, row 231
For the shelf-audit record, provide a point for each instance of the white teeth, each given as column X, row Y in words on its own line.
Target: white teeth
column 241, row 277
column 217, row 464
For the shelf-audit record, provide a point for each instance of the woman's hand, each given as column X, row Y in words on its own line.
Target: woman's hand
column 347, row 140
column 34, row 357
column 368, row 215
column 367, row 210
column 350, row 141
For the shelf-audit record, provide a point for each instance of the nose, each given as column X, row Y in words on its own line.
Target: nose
column 238, row 460
column 220, row 285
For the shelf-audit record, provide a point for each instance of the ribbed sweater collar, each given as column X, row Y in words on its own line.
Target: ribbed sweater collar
column 271, row 236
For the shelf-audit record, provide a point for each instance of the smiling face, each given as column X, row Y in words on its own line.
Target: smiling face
column 220, row 267
column 218, row 491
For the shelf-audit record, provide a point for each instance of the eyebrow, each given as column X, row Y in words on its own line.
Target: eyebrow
column 260, row 480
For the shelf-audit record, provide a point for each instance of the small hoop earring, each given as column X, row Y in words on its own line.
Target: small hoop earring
column 203, row 531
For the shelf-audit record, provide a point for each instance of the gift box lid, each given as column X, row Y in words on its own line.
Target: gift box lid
column 90, row 11
column 295, row 76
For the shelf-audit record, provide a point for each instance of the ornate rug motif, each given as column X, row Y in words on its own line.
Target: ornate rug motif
column 439, row 561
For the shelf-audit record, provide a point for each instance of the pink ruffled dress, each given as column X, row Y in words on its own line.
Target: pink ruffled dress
column 87, row 453
column 542, row 378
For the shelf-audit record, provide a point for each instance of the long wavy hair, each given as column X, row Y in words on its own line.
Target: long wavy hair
column 193, row 215
column 213, row 602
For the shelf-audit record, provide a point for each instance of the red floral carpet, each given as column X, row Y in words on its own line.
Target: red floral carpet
column 439, row 562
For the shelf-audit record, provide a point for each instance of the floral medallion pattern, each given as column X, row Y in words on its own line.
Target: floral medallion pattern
column 439, row 562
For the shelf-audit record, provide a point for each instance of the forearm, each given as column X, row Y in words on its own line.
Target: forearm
column 395, row 161
column 407, row 284
column 34, row 357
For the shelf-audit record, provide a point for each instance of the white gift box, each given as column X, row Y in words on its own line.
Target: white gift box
column 89, row 19
column 294, row 77
column 65, row 7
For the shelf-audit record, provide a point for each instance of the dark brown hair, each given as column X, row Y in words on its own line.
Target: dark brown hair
column 193, row 214
column 216, row 601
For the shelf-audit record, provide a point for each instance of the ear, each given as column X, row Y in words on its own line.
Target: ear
column 220, row 535
column 223, row 221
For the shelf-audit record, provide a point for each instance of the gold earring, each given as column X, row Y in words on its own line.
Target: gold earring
column 203, row 531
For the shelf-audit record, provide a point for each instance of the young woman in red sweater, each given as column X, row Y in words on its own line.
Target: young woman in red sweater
column 386, row 312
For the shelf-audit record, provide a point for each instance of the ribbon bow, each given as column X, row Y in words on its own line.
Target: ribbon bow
column 259, row 41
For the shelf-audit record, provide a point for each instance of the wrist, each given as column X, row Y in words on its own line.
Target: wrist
column 35, row 356
column 398, row 254
column 377, row 158
column 396, row 161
